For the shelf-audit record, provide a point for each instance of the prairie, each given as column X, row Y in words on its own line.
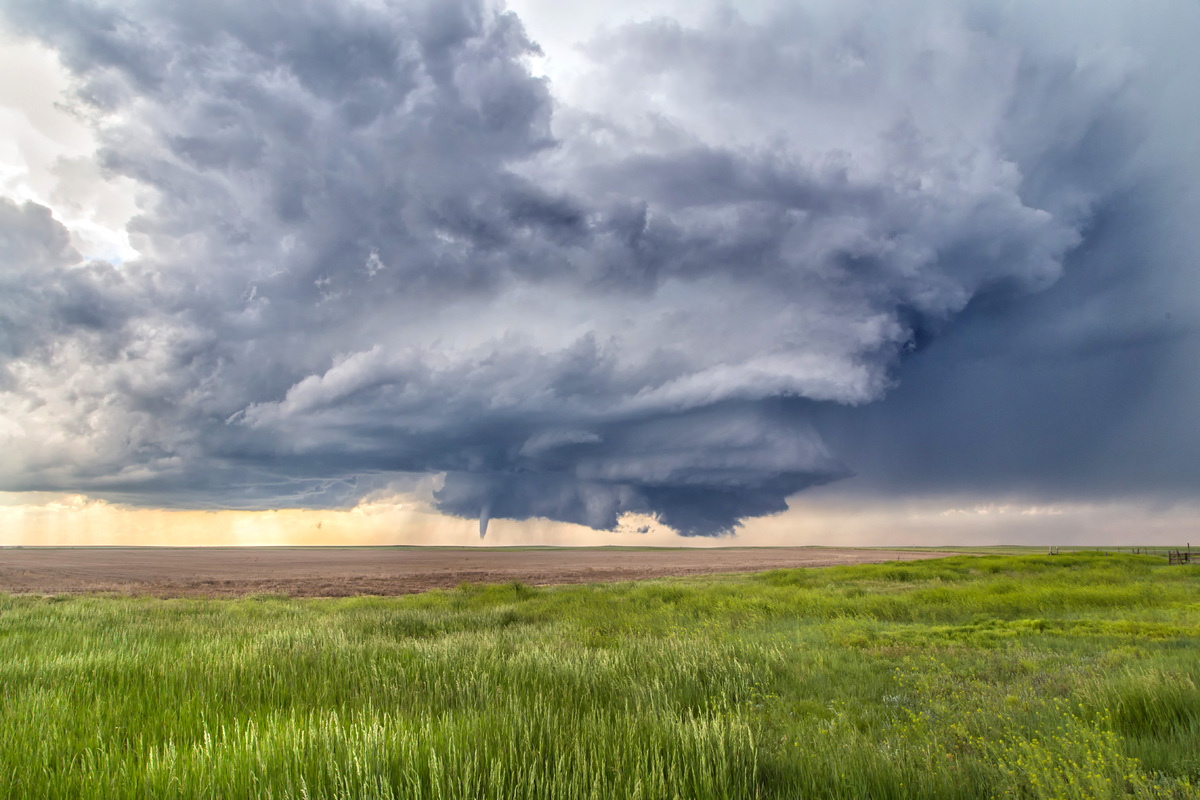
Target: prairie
column 966, row 677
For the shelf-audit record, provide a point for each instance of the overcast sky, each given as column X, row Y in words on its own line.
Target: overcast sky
column 664, row 267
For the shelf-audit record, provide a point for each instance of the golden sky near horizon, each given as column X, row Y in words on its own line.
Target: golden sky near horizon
column 45, row 519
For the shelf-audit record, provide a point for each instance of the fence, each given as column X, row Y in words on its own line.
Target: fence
column 1180, row 556
column 1176, row 556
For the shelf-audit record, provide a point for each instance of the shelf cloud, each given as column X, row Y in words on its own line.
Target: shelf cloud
column 930, row 246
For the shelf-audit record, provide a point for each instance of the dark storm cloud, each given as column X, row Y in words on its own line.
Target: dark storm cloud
column 1087, row 391
column 367, row 254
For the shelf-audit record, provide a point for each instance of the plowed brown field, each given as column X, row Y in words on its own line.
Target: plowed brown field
column 343, row 571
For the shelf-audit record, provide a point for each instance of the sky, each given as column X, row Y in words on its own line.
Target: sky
column 459, row 272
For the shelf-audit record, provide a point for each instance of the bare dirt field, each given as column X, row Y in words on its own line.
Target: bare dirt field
column 344, row 571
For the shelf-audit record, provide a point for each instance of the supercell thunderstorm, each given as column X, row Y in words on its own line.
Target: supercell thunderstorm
column 373, row 245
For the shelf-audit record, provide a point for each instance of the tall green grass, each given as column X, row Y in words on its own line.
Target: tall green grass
column 1072, row 676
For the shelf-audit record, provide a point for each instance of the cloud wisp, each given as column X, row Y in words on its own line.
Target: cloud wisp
column 373, row 245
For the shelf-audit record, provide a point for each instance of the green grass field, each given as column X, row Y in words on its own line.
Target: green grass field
column 993, row 676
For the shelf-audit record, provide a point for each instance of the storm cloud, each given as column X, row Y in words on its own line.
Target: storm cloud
column 764, row 253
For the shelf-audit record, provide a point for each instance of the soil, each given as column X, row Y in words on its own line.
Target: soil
column 346, row 571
